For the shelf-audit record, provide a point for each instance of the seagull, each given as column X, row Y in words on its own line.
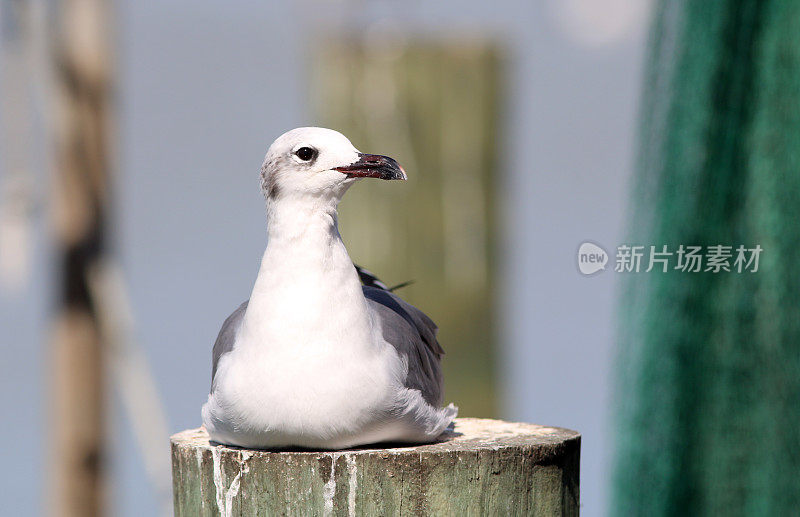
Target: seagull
column 315, row 359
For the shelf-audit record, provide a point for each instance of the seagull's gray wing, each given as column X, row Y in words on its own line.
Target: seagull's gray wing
column 226, row 337
column 413, row 334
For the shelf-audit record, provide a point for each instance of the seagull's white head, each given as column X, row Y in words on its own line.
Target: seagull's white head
column 314, row 161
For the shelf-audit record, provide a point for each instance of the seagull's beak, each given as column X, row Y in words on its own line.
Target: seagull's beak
column 374, row 166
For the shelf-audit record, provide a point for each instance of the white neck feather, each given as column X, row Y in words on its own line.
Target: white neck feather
column 307, row 294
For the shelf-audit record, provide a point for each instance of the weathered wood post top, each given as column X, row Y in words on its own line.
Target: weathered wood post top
column 482, row 467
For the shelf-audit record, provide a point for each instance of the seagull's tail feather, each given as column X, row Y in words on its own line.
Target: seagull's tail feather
column 369, row 279
column 446, row 415
column 401, row 285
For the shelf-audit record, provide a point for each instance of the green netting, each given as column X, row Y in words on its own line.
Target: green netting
column 709, row 366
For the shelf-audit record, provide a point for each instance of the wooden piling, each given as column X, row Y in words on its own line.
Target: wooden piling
column 482, row 467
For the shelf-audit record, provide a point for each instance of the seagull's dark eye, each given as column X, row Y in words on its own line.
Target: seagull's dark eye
column 306, row 154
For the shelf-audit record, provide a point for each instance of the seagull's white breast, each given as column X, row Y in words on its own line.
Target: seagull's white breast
column 308, row 366
column 307, row 361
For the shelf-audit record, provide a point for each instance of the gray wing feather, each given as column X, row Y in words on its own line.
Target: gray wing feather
column 226, row 337
column 413, row 334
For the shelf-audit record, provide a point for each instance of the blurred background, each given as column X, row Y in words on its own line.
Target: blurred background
column 131, row 224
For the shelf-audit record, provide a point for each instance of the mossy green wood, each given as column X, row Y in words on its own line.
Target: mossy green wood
column 435, row 107
column 483, row 467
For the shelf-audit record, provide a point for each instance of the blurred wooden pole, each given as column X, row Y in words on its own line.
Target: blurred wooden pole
column 82, row 91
